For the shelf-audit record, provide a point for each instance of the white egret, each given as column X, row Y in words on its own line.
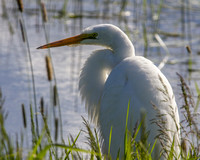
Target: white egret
column 113, row 77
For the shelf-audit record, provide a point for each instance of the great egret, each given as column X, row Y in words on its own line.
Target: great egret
column 113, row 77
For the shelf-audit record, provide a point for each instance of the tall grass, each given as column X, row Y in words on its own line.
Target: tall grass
column 26, row 41
column 51, row 71
column 46, row 146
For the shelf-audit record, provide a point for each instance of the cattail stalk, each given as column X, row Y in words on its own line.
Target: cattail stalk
column 20, row 5
column 44, row 12
column 54, row 75
column 21, row 8
column 49, row 68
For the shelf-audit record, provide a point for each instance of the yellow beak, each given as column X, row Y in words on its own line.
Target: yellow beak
column 68, row 41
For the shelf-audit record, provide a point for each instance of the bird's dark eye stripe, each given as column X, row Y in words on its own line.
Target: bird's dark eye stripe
column 93, row 36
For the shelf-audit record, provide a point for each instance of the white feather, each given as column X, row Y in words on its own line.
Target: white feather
column 92, row 79
column 112, row 77
column 130, row 78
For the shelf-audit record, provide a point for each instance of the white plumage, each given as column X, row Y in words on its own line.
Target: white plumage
column 114, row 76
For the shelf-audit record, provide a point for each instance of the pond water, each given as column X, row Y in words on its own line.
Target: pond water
column 177, row 25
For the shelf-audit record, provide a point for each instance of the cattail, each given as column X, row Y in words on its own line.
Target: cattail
column 44, row 12
column 22, row 30
column 49, row 68
column 188, row 49
column 56, row 129
column 42, row 106
column 24, row 116
column 20, row 5
column 55, row 95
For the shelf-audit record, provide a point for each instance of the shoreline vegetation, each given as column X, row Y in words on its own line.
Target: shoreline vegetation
column 48, row 143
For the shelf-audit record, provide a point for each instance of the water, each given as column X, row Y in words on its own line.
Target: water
column 14, row 66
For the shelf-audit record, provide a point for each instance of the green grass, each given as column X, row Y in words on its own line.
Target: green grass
column 46, row 146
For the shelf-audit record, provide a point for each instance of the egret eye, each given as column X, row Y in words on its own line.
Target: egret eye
column 93, row 35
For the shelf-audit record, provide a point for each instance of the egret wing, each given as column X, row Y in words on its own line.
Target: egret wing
column 139, row 82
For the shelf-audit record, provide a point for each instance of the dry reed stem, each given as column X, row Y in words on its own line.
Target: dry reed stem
column 44, row 12
column 20, row 5
column 49, row 68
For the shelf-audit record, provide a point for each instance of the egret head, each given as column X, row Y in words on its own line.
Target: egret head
column 106, row 35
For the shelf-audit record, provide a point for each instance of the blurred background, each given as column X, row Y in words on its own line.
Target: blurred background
column 166, row 32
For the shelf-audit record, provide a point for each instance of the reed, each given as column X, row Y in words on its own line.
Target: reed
column 144, row 28
column 198, row 97
column 188, row 101
column 49, row 68
column 159, row 11
column 123, row 6
column 163, row 45
column 188, row 17
column 42, row 106
column 42, row 149
column 110, row 138
column 188, row 49
column 20, row 5
column 6, row 146
column 47, row 132
column 92, row 140
column 4, row 10
column 63, row 11
column 56, row 129
column 190, row 130
column 55, row 94
column 183, row 17
column 190, row 63
column 44, row 12
column 33, row 131
column 24, row 116
column 24, row 33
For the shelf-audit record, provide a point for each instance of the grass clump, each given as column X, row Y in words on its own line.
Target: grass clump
column 47, row 145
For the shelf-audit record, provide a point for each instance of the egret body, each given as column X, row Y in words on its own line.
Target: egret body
column 114, row 77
